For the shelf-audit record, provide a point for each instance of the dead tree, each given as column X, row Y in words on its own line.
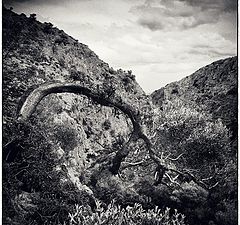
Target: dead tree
column 114, row 162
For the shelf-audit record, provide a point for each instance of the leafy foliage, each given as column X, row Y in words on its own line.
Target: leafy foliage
column 202, row 146
column 115, row 214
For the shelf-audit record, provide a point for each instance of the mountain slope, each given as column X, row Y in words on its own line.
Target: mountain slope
column 213, row 87
column 68, row 133
column 36, row 53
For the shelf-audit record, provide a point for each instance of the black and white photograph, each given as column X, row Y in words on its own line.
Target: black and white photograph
column 119, row 112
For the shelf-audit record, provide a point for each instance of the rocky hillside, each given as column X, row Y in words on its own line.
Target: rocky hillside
column 74, row 150
column 213, row 87
column 76, row 130
column 35, row 53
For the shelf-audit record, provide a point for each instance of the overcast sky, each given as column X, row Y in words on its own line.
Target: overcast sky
column 159, row 40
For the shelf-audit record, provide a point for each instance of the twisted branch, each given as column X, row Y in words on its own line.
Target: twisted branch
column 34, row 98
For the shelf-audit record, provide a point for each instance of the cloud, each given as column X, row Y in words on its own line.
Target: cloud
column 181, row 14
column 40, row 2
column 211, row 52
column 151, row 22
column 160, row 41
column 219, row 5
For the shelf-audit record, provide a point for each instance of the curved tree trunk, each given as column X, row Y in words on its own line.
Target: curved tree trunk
column 34, row 98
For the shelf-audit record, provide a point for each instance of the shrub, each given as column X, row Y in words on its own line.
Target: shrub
column 47, row 28
column 106, row 124
column 187, row 130
column 67, row 137
column 116, row 215
column 112, row 71
column 203, row 142
column 34, row 191
column 61, row 39
column 33, row 16
column 131, row 76
column 77, row 75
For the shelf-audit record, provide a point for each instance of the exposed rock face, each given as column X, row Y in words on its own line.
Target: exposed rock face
column 214, row 87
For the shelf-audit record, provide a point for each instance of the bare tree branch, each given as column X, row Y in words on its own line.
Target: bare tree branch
column 128, row 164
column 167, row 156
column 213, row 186
column 172, row 159
column 191, row 177
column 172, row 179
column 208, row 178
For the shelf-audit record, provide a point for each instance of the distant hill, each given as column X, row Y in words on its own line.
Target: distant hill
column 214, row 87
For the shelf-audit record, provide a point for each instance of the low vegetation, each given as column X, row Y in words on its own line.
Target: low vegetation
column 116, row 215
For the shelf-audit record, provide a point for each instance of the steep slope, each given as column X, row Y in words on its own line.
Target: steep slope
column 36, row 53
column 71, row 131
column 213, row 87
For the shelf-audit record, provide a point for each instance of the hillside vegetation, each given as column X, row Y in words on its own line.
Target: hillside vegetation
column 83, row 143
column 213, row 87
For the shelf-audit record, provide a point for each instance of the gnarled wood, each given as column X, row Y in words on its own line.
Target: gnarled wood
column 42, row 91
column 102, row 98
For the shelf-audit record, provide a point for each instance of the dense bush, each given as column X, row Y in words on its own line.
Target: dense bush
column 77, row 75
column 34, row 191
column 66, row 136
column 203, row 144
column 47, row 28
column 188, row 130
column 106, row 124
column 116, row 215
